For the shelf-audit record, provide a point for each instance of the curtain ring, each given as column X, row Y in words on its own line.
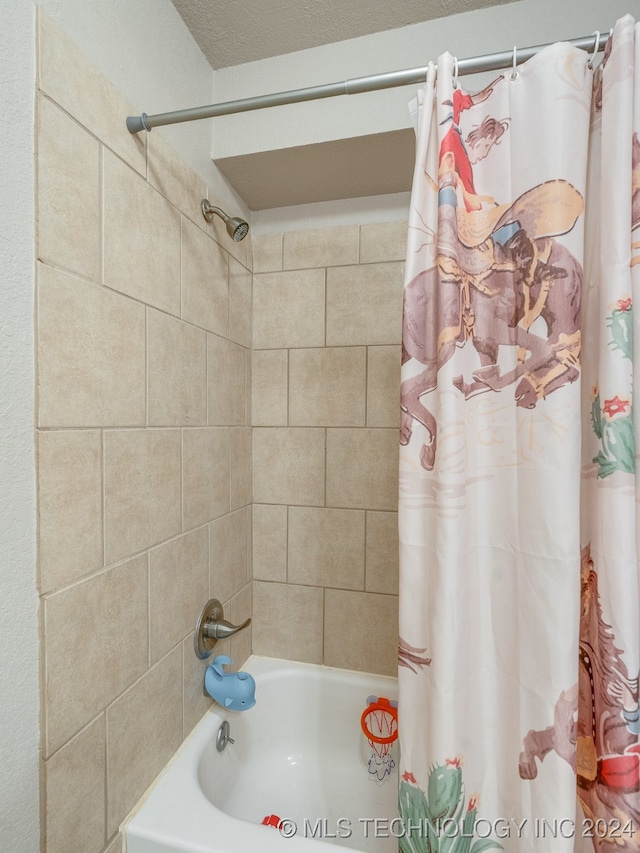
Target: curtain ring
column 514, row 72
column 455, row 72
column 595, row 49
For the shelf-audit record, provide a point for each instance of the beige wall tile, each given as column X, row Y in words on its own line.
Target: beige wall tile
column 168, row 173
column 247, row 387
column 141, row 238
column 362, row 468
column 69, row 506
column 178, row 589
column 75, row 785
column 267, row 252
column 287, row 621
column 364, row 305
column 146, row 722
column 91, row 354
column 269, row 542
column 327, row 387
column 383, row 386
column 67, row 76
column 288, row 309
column 240, row 299
column 205, row 280
column 141, row 489
column 195, row 702
column 269, row 383
column 68, row 193
column 361, row 631
column 240, row 466
column 383, row 241
column 250, row 542
column 288, row 466
column 240, row 608
column 326, row 547
column 176, row 372
column 382, row 552
column 228, row 555
column 321, row 247
column 205, row 475
column 96, row 645
column 226, row 384
column 116, row 845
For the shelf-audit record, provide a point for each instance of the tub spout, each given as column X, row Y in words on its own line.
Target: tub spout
column 233, row 690
column 211, row 627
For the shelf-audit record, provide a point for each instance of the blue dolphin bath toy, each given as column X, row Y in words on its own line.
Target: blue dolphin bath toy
column 232, row 690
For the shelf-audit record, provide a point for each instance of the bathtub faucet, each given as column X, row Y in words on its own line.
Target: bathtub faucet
column 211, row 627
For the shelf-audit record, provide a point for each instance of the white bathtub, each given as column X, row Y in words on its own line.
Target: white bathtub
column 299, row 753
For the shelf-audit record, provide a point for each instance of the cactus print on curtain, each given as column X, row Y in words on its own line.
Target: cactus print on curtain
column 519, row 584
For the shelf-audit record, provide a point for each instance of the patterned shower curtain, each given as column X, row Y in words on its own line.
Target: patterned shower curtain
column 519, row 580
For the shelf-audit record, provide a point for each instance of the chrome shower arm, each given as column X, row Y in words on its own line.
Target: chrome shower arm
column 237, row 228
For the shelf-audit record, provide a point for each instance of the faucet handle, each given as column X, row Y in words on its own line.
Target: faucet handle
column 211, row 627
column 221, row 629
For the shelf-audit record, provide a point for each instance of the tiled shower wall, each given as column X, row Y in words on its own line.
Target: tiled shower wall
column 325, row 404
column 144, row 448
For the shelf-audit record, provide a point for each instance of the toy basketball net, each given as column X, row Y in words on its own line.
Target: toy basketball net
column 379, row 722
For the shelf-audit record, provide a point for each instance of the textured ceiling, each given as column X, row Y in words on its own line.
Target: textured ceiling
column 232, row 32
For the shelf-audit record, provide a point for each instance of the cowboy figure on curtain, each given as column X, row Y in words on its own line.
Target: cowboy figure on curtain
column 497, row 271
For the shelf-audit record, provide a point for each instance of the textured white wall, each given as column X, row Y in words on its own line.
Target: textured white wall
column 146, row 51
column 19, row 703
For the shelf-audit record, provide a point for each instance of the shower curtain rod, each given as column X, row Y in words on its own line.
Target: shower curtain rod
column 355, row 86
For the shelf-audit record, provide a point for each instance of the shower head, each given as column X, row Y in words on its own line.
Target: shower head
column 237, row 228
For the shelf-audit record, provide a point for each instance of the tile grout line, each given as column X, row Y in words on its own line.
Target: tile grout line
column 146, row 366
column 102, row 213
column 106, row 777
column 182, row 518
column 324, row 625
column 103, row 494
column 364, row 547
column 149, row 663
column 286, row 551
column 183, row 660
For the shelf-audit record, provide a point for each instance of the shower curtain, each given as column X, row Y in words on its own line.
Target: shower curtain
column 519, row 583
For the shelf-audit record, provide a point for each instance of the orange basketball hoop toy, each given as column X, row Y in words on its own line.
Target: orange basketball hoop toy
column 379, row 723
